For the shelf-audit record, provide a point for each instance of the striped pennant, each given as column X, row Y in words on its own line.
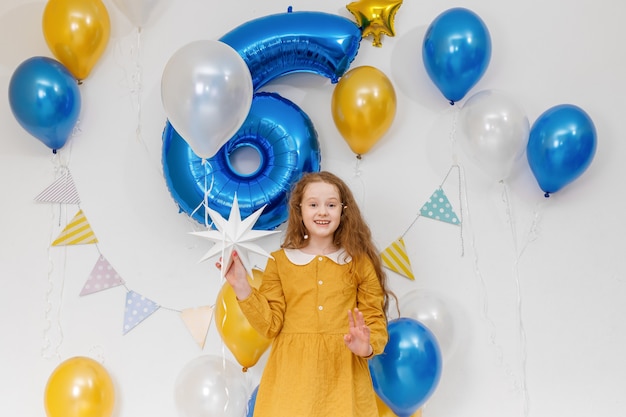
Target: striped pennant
column 396, row 259
column 62, row 190
column 77, row 232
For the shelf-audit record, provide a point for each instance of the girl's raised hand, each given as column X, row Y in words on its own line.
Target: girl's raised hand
column 358, row 337
column 236, row 276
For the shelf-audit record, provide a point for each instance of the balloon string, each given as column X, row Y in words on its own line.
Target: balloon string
column 49, row 303
column 518, row 288
column 482, row 285
column 533, row 234
column 205, row 201
column 138, row 83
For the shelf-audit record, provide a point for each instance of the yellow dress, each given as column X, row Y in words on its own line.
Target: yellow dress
column 303, row 304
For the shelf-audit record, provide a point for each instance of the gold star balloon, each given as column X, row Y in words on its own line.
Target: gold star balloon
column 375, row 17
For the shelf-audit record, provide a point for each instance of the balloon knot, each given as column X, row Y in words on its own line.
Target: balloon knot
column 451, row 102
column 289, row 9
column 358, row 156
column 244, row 369
column 54, row 151
column 80, row 82
column 546, row 195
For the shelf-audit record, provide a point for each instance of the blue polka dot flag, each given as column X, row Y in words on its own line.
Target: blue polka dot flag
column 438, row 207
column 137, row 309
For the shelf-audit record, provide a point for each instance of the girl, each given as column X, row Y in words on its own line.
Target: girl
column 327, row 266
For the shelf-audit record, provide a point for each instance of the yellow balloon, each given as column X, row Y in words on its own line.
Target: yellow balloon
column 77, row 32
column 363, row 107
column 79, row 387
column 385, row 411
column 245, row 343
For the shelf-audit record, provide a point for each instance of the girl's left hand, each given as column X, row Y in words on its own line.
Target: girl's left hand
column 358, row 337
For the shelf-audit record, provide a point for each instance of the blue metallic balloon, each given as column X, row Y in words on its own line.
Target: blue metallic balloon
column 284, row 138
column 561, row 146
column 252, row 402
column 279, row 44
column 456, row 52
column 45, row 100
column 406, row 374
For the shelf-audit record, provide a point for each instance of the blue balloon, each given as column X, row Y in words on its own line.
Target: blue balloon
column 561, row 146
column 252, row 402
column 45, row 100
column 456, row 52
column 286, row 142
column 279, row 44
column 406, row 374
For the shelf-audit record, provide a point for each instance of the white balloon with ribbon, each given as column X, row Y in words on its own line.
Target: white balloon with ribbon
column 206, row 90
column 494, row 132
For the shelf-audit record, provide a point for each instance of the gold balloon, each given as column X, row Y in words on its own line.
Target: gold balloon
column 385, row 411
column 79, row 387
column 245, row 343
column 363, row 107
column 77, row 32
column 375, row 17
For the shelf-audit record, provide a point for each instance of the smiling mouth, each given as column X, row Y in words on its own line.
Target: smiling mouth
column 322, row 222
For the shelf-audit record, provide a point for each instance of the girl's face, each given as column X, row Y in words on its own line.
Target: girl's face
column 321, row 209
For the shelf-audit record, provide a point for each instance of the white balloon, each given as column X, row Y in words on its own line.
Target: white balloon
column 139, row 12
column 495, row 132
column 206, row 90
column 433, row 312
column 210, row 386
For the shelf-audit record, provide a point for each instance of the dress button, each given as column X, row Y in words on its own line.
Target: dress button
column 320, row 282
column 320, row 258
column 320, row 308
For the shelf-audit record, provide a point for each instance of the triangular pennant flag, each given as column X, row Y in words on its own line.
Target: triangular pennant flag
column 102, row 277
column 61, row 190
column 396, row 259
column 198, row 321
column 77, row 232
column 137, row 309
column 438, row 207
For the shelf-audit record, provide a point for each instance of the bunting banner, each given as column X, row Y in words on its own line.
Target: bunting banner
column 62, row 190
column 438, row 207
column 137, row 309
column 395, row 258
column 198, row 321
column 77, row 232
column 102, row 277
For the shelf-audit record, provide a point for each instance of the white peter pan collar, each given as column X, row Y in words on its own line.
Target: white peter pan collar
column 296, row 256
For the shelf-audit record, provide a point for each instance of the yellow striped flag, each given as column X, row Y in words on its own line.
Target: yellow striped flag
column 396, row 259
column 77, row 232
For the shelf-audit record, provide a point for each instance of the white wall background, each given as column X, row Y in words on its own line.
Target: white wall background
column 535, row 286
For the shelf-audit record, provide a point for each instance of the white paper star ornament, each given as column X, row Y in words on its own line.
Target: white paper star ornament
column 234, row 234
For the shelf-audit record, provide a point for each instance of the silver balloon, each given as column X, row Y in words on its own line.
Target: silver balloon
column 210, row 386
column 494, row 132
column 432, row 311
column 206, row 90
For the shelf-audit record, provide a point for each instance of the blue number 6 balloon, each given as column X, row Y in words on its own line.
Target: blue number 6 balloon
column 561, row 146
column 45, row 100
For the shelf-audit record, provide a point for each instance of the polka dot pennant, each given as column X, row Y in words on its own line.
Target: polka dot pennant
column 102, row 277
column 137, row 309
column 438, row 207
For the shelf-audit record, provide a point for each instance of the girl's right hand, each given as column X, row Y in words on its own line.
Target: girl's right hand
column 236, row 276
